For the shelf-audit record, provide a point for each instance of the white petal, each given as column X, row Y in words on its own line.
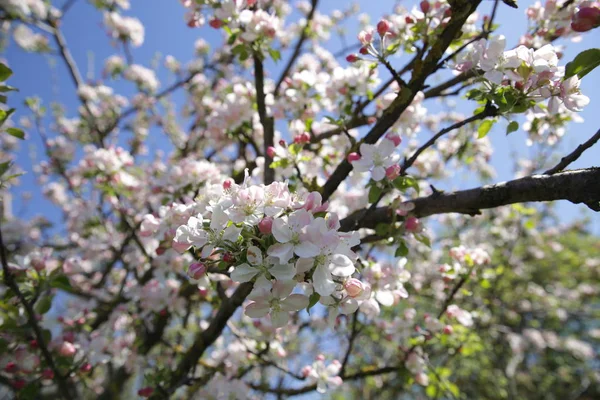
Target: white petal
column 341, row 265
column 254, row 255
column 281, row 231
column 282, row 289
column 283, row 251
column 306, row 250
column 385, row 297
column 295, row 302
column 322, row 281
column 257, row 310
column 283, row 272
column 378, row 174
column 243, row 273
column 279, row 318
column 304, row 264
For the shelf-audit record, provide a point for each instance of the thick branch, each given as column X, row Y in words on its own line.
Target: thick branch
column 576, row 186
column 421, row 71
column 266, row 121
column 207, row 337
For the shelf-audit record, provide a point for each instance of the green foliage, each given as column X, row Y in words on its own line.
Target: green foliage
column 583, row 63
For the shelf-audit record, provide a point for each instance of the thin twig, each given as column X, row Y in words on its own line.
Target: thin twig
column 573, row 156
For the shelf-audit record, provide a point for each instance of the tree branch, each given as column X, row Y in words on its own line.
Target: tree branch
column 266, row 121
column 576, row 186
column 206, row 338
column 63, row 387
column 572, row 157
column 298, row 47
column 489, row 111
column 421, row 71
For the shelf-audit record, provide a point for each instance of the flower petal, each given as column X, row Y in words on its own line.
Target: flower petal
column 322, row 281
column 243, row 273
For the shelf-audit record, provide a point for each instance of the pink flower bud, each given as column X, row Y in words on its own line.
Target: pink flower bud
column 282, row 143
column 394, row 137
column 363, row 51
column 48, row 374
column 412, row 224
column 587, row 18
column 85, row 368
column 392, row 172
column 67, row 349
column 145, row 392
column 422, row 379
column 69, row 337
column 228, row 257
column 18, row 384
column 196, row 270
column 227, row 184
column 354, row 287
column 271, row 151
column 409, row 20
column 216, row 23
column 306, row 370
column 11, row 368
column 203, row 292
column 265, row 226
column 353, row 157
column 448, row 330
column 352, row 58
column 383, row 27
column 320, row 357
column 365, row 37
column 425, row 7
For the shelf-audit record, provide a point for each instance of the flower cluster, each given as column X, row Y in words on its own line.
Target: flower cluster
column 533, row 73
column 377, row 158
column 265, row 234
column 125, row 28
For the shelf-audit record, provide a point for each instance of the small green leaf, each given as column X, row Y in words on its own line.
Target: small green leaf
column 5, row 72
column 312, row 300
column 4, row 167
column 484, row 128
column 16, row 132
column 6, row 88
column 374, row 193
column 402, row 250
column 61, row 282
column 275, row 54
column 43, row 305
column 583, row 63
column 5, row 114
column 382, row 229
column 512, row 127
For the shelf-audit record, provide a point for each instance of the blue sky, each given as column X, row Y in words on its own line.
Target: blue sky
column 166, row 33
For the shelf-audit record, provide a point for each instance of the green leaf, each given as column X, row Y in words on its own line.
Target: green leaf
column 382, row 229
column 5, row 114
column 484, row 128
column 43, row 305
column 312, row 300
column 6, row 88
column 583, row 63
column 4, row 167
column 5, row 72
column 275, row 54
column 402, row 250
column 374, row 193
column 512, row 127
column 402, row 183
column 16, row 132
column 61, row 282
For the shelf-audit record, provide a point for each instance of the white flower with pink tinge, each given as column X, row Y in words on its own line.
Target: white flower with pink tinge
column 263, row 268
column 325, row 377
column 277, row 303
column 291, row 235
column 376, row 158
